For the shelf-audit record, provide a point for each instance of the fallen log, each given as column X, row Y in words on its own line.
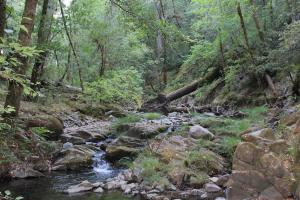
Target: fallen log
column 160, row 102
column 216, row 110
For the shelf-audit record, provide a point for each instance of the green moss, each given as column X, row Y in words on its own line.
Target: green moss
column 203, row 161
column 152, row 116
column 228, row 146
column 231, row 126
column 131, row 118
column 152, row 169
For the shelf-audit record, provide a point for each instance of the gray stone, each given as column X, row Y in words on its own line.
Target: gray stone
column 67, row 145
column 198, row 132
column 99, row 190
column 212, row 188
column 26, row 172
column 82, row 187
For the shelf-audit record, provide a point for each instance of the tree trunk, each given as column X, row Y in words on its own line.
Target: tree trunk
column 271, row 84
column 243, row 26
column 257, row 23
column 103, row 60
column 15, row 90
column 2, row 17
column 72, row 45
column 43, row 38
column 161, row 42
column 296, row 85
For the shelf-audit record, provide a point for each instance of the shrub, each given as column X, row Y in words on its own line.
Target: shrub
column 123, row 87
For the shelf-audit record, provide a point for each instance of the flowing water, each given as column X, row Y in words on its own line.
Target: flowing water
column 52, row 185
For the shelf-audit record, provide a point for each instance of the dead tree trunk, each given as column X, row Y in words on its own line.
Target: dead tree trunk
column 296, row 85
column 15, row 90
column 43, row 38
column 72, row 45
column 162, row 100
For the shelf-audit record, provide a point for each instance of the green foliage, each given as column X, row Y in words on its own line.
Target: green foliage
column 152, row 116
column 203, row 161
column 130, row 118
column 152, row 169
column 41, row 131
column 123, row 87
column 228, row 146
column 231, row 126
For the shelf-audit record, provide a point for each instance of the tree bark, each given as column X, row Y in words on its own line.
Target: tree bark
column 15, row 90
column 243, row 26
column 257, row 23
column 72, row 45
column 161, row 42
column 43, row 38
column 2, row 17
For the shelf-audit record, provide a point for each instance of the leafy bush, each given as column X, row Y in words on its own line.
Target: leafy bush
column 123, row 87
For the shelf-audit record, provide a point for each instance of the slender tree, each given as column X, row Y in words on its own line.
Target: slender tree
column 71, row 44
column 15, row 90
column 44, row 32
column 2, row 17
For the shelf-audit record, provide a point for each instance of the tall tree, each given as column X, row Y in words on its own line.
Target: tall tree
column 44, row 32
column 2, row 17
column 15, row 90
column 71, row 44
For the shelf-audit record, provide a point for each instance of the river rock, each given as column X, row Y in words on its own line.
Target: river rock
column 212, row 188
column 94, row 131
column 75, row 158
column 25, row 172
column 99, row 190
column 142, row 130
column 198, row 132
column 123, row 147
column 133, row 139
column 82, row 187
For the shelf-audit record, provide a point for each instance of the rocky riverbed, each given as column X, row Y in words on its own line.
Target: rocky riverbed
column 178, row 156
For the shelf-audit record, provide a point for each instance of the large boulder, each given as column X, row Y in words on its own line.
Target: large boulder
column 124, row 147
column 52, row 123
column 88, row 133
column 84, row 186
column 74, row 158
column 198, row 132
column 25, row 172
column 142, row 130
column 261, row 169
column 133, row 139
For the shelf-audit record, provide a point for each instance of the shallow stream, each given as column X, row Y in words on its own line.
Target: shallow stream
column 51, row 186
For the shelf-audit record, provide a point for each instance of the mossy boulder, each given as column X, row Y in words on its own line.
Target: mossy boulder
column 53, row 124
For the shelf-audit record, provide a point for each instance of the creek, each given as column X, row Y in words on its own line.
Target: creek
column 51, row 186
